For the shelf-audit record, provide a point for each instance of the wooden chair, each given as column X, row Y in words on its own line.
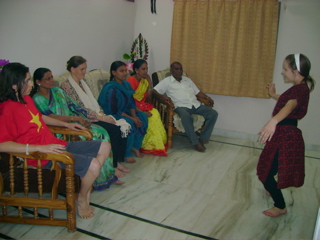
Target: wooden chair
column 170, row 119
column 22, row 187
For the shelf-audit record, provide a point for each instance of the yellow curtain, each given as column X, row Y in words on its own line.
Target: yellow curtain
column 227, row 47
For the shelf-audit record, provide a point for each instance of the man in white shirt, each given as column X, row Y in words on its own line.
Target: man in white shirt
column 183, row 93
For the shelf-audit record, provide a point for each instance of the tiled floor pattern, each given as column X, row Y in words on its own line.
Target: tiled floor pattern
column 191, row 195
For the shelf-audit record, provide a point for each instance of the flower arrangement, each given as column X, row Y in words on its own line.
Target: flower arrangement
column 139, row 50
column 131, row 57
column 3, row 62
column 129, row 65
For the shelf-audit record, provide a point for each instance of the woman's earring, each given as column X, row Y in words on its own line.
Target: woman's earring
column 39, row 84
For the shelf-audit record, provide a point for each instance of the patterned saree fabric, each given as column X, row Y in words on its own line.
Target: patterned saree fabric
column 155, row 140
column 60, row 104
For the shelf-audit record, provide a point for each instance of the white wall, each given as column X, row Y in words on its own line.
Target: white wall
column 240, row 116
column 156, row 29
column 46, row 33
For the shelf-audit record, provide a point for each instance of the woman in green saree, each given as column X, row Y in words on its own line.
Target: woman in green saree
column 54, row 102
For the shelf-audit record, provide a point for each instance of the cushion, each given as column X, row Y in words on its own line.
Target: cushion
column 92, row 78
column 166, row 73
column 101, row 83
column 61, row 78
column 163, row 74
column 95, row 79
column 198, row 122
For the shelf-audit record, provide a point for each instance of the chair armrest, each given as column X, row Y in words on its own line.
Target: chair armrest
column 65, row 157
column 169, row 104
column 205, row 101
column 66, row 131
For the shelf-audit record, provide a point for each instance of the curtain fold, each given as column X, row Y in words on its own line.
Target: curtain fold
column 226, row 46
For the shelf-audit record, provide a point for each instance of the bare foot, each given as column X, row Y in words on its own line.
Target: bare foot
column 91, row 209
column 123, row 168
column 130, row 160
column 275, row 212
column 118, row 182
column 118, row 173
column 88, row 199
column 138, row 153
column 84, row 210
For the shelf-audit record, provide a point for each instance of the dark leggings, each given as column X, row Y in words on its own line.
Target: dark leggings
column 271, row 185
column 118, row 144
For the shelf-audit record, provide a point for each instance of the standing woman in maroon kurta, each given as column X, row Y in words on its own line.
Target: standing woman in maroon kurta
column 283, row 153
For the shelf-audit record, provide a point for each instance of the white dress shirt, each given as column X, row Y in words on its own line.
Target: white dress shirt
column 182, row 94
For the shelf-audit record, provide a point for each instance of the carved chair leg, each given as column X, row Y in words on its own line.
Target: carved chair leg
column 169, row 139
column 70, row 198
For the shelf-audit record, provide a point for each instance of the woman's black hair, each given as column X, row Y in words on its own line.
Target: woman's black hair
column 137, row 64
column 305, row 66
column 38, row 75
column 74, row 62
column 114, row 66
column 12, row 74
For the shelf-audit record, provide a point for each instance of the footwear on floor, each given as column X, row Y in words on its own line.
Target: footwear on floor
column 203, row 141
column 199, row 148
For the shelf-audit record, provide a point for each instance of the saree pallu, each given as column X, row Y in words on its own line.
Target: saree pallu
column 155, row 141
column 116, row 99
column 60, row 104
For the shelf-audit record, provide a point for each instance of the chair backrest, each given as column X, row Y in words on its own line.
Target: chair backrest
column 95, row 79
column 162, row 74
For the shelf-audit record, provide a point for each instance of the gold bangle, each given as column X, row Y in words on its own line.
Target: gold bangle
column 71, row 119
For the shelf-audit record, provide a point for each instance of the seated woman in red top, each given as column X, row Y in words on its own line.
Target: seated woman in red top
column 23, row 129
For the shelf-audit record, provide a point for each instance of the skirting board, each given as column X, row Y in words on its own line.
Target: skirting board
column 253, row 137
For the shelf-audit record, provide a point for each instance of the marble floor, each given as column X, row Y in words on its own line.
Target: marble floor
column 192, row 195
